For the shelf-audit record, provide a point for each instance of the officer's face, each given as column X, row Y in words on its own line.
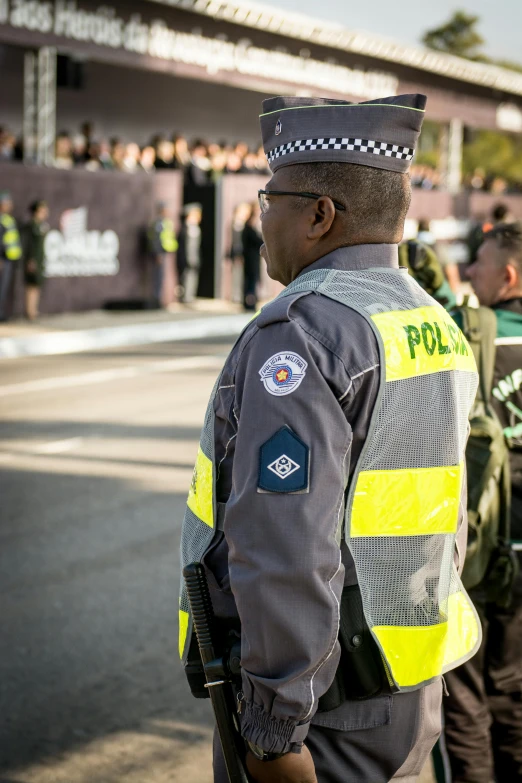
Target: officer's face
column 6, row 206
column 284, row 231
column 492, row 274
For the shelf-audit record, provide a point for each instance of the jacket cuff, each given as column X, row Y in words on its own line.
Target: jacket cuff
column 272, row 734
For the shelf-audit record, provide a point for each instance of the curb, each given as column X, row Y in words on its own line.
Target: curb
column 52, row 343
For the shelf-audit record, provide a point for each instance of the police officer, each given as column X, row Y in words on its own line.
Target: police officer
column 188, row 257
column 483, row 709
column 326, row 499
column 10, row 250
column 162, row 242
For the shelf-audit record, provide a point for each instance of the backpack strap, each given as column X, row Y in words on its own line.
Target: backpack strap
column 480, row 329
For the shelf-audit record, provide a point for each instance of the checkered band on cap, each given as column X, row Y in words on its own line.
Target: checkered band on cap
column 350, row 145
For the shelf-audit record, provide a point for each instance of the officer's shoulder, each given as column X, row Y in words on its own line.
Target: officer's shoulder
column 278, row 311
column 340, row 329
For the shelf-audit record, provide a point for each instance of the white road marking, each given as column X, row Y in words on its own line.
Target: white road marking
column 58, row 446
column 112, row 374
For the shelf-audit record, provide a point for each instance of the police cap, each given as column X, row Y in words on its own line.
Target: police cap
column 380, row 133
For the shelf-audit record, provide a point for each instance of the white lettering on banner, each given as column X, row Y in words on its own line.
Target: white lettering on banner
column 75, row 252
column 32, row 15
column 104, row 28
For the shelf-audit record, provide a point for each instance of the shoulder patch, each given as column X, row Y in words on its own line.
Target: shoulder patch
column 284, row 463
column 283, row 373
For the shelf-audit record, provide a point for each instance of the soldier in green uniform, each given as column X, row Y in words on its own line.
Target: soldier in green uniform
column 10, row 250
column 483, row 709
column 34, row 256
column 423, row 265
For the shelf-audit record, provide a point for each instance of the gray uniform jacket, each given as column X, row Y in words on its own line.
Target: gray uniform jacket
column 276, row 564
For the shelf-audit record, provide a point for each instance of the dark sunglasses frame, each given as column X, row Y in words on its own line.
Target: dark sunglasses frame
column 302, row 194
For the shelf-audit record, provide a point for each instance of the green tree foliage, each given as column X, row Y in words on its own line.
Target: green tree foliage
column 499, row 155
column 457, row 36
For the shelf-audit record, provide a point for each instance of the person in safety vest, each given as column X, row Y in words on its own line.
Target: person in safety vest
column 10, row 250
column 483, row 708
column 327, row 500
column 162, row 242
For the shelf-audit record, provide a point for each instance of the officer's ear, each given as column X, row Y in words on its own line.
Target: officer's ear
column 322, row 217
column 511, row 276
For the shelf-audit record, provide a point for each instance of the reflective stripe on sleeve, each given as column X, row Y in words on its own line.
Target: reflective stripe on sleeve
column 183, row 628
column 201, row 489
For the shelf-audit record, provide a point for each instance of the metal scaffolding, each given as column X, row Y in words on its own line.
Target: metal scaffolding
column 39, row 127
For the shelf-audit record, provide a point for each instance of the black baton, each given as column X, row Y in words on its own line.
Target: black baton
column 218, row 683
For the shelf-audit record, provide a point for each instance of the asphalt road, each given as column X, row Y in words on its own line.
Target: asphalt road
column 96, row 456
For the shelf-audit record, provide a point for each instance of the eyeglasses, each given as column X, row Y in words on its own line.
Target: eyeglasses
column 264, row 203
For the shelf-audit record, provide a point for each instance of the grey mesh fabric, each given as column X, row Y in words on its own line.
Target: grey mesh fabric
column 382, row 133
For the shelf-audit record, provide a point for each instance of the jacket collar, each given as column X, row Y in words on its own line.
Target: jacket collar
column 357, row 257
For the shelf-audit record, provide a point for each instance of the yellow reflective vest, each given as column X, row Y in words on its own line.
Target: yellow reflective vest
column 406, row 499
column 168, row 237
column 11, row 247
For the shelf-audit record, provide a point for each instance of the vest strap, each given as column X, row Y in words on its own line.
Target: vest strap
column 220, row 515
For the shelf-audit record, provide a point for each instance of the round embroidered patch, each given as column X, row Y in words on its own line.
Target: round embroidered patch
column 283, row 373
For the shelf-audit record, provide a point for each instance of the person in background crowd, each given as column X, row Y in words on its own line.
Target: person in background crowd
column 188, row 258
column 164, row 154
column 262, row 163
column 181, row 152
column 87, row 131
column 251, row 241
column 218, row 162
column 7, row 145
column 148, row 159
column 199, row 169
column 117, row 154
column 241, row 149
column 483, row 706
column 131, row 161
column 93, row 162
column 34, row 256
column 249, row 163
column 10, row 250
column 162, row 242
column 79, row 150
column 451, row 270
column 63, row 158
column 235, row 253
column 105, row 155
column 234, row 164
column 499, row 214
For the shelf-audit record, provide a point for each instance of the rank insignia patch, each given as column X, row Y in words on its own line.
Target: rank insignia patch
column 284, row 463
column 283, row 373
